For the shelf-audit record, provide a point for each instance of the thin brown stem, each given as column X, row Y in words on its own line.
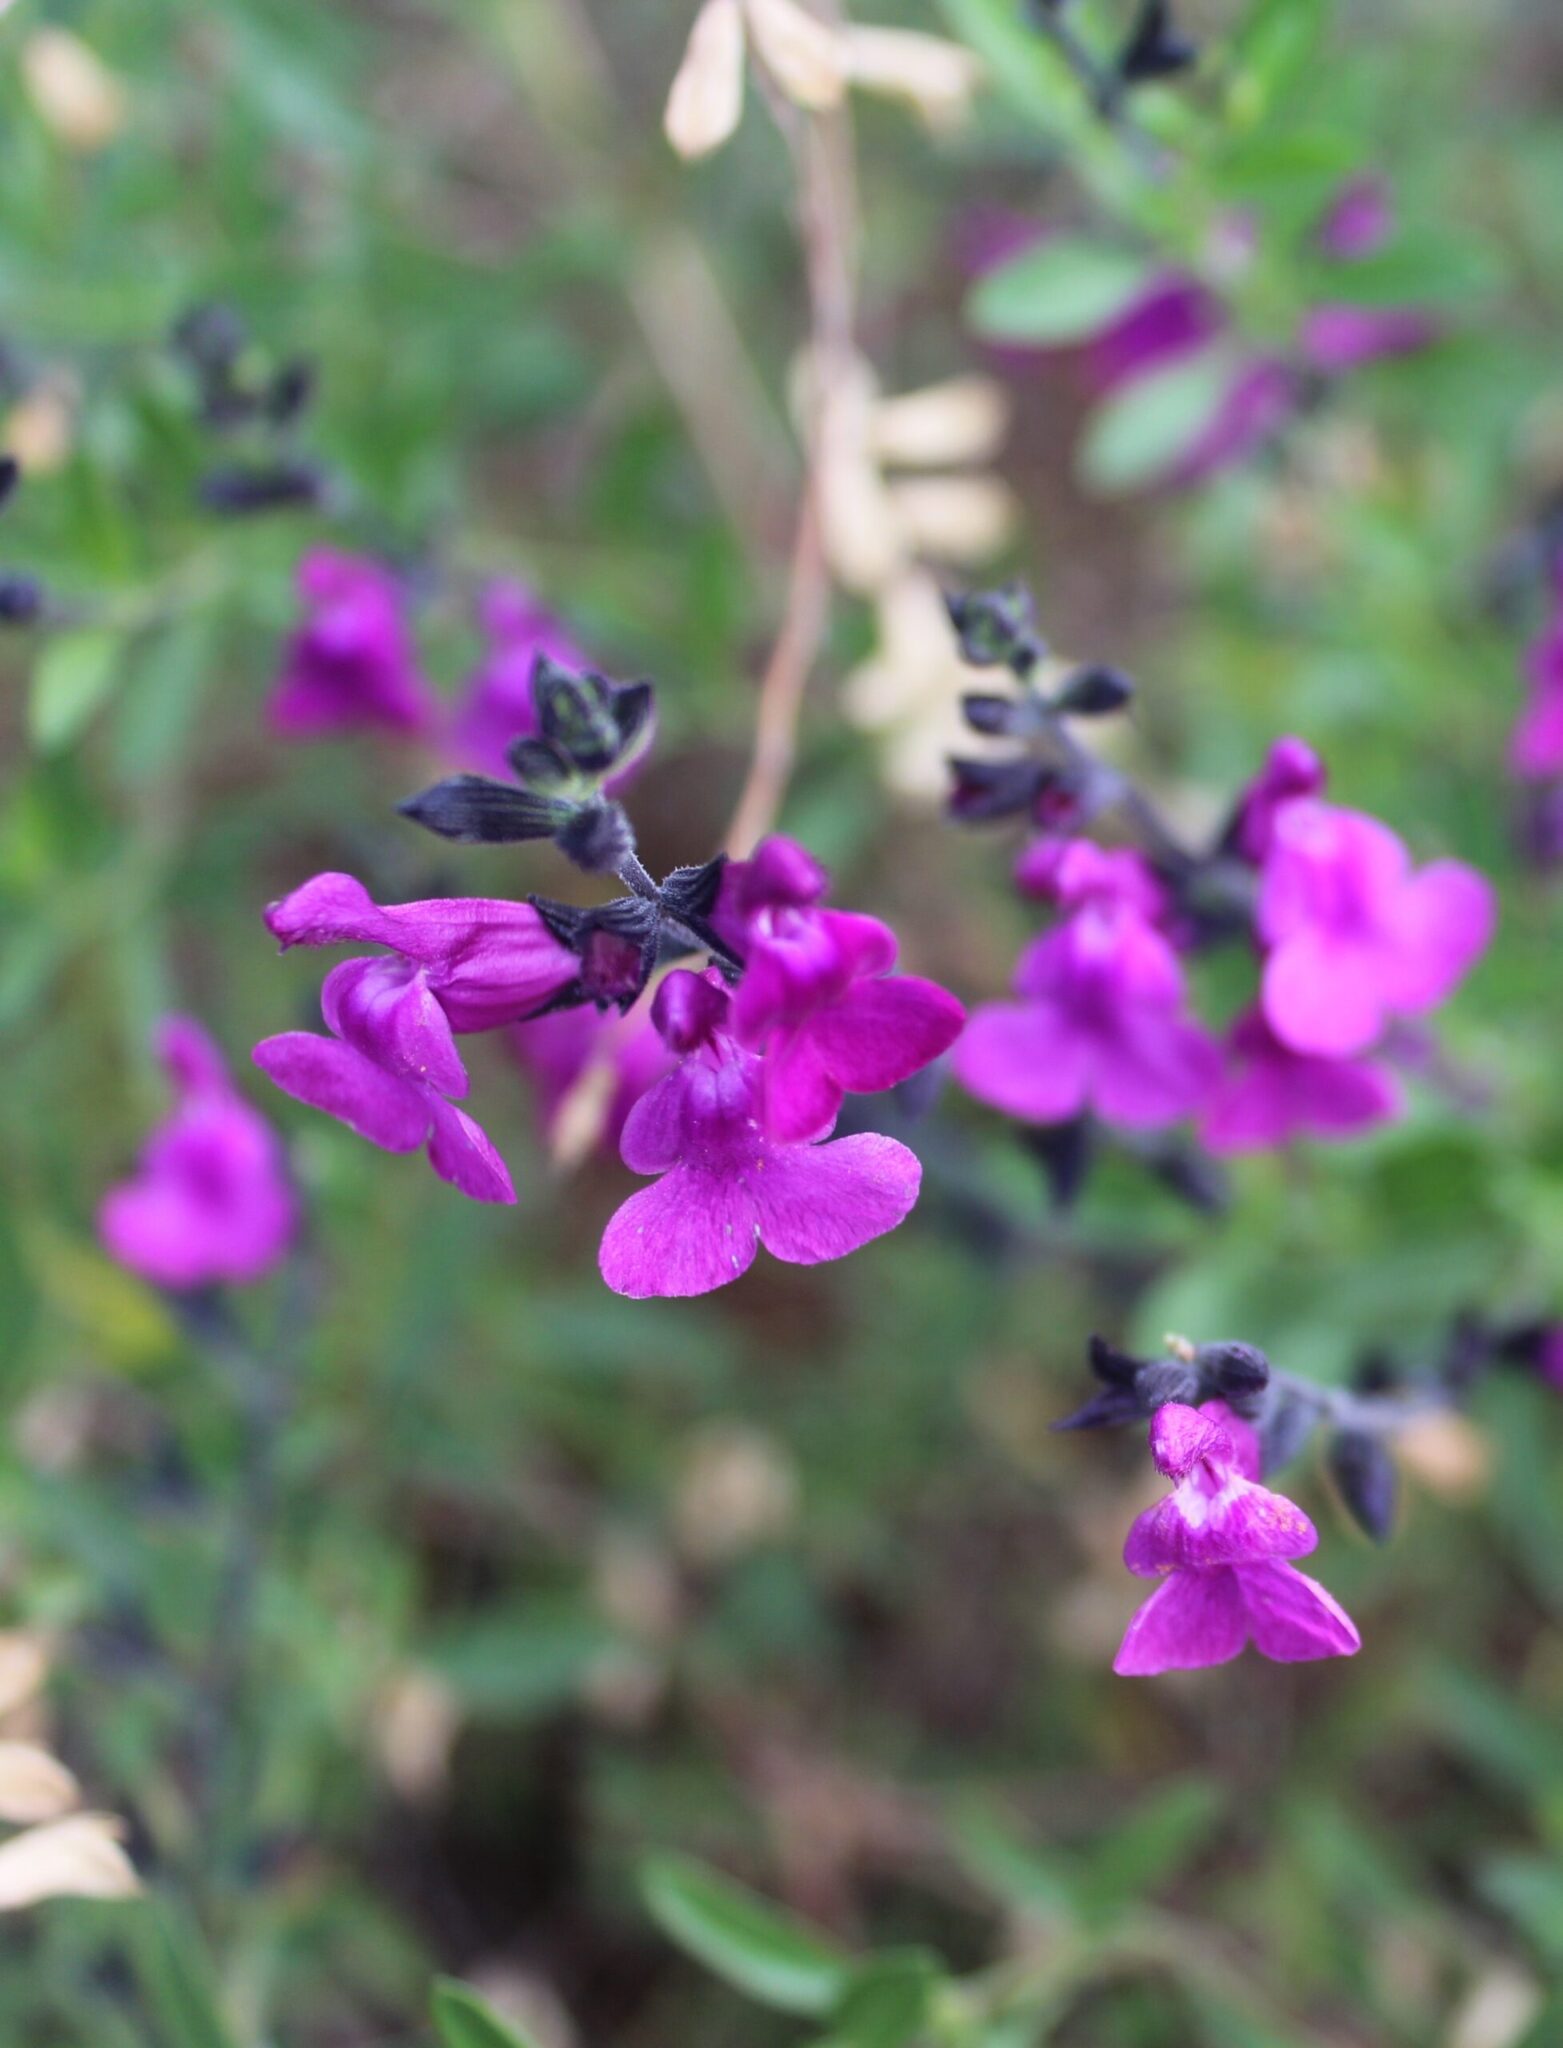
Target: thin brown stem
column 822, row 156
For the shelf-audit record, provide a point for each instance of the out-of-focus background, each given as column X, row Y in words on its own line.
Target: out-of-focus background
column 793, row 1579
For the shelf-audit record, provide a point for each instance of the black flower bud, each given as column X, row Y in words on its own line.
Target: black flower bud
column 1365, row 1477
column 21, row 599
column 237, row 489
column 10, row 477
column 1067, row 1152
column 291, row 392
column 1113, row 1367
column 996, row 628
column 1094, row 693
column 1284, row 1427
column 986, row 791
column 540, row 766
column 1238, row 1374
column 477, row 811
column 597, row 837
column 1106, row 1410
column 1156, row 48
column 1167, row 1379
column 597, row 724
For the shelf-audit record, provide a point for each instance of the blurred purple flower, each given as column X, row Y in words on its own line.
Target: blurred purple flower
column 726, row 1186
column 1353, row 936
column 390, row 1071
column 1223, row 1546
column 1269, row 1094
column 1075, row 871
column 817, row 995
column 589, row 1070
column 1549, row 1356
column 210, row 1199
column 1291, row 769
column 1337, row 338
column 352, row 662
column 1536, row 747
column 1358, row 221
column 1175, row 316
column 1100, row 1025
column 497, row 706
column 1261, row 397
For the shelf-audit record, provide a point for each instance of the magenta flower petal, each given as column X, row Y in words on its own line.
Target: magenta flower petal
column 461, row 1152
column 1536, row 748
column 885, row 1031
column 1443, row 922
column 1292, row 1618
column 1337, row 338
column 210, row 1200
column 386, row 1009
column 339, row 1079
column 1270, row 1095
column 1321, row 995
column 351, row 664
column 1183, row 1437
column 818, row 1202
column 1026, row 1060
column 1216, row 1518
column 799, row 1096
column 689, row 1233
column 1193, row 1620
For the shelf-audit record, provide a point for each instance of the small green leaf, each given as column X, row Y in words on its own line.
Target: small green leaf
column 1272, row 50
column 462, row 2020
column 1061, row 291
column 1135, row 437
column 1161, row 1834
column 73, row 676
column 177, row 1979
column 886, row 2003
column 743, row 1939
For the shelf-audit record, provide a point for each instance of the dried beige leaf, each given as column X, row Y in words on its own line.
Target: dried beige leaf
column 1499, row 2011
column 707, row 96
column 804, row 56
column 24, row 1665
column 1448, row 1454
column 962, row 420
column 40, row 430
column 414, row 1728
column 79, row 1858
column 955, row 518
column 935, row 77
column 73, row 90
column 863, row 541
column 916, row 657
column 34, row 1785
column 737, row 1489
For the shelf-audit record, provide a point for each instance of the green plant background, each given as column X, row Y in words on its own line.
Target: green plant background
column 893, row 1709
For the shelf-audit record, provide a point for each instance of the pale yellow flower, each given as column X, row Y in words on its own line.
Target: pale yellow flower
column 810, row 62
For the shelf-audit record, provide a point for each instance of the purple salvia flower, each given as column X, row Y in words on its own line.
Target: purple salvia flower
column 497, row 706
column 1337, row 338
column 726, row 1185
column 1358, row 221
column 488, row 961
column 210, row 1199
column 1223, row 1545
column 390, row 1071
column 1270, row 1095
column 1174, row 317
column 1353, row 936
column 1261, row 397
column 1549, row 1356
column 817, row 995
column 351, row 663
column 1536, row 748
column 1071, row 872
column 1291, row 769
column 1100, row 1025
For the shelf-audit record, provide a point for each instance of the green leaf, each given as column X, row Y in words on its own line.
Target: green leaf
column 887, row 2001
column 1271, row 52
column 463, row 2020
column 1529, row 1890
column 744, row 1940
column 1061, row 291
column 1420, row 266
column 73, row 676
column 177, row 1980
column 1135, row 437
column 1162, row 1833
column 1013, row 1870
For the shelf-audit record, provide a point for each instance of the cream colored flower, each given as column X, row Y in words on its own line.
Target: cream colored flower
column 877, row 520
column 59, row 1853
column 40, row 429
column 811, row 62
column 76, row 96
column 909, row 690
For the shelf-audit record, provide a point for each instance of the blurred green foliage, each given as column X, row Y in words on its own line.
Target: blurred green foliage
column 517, row 1624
